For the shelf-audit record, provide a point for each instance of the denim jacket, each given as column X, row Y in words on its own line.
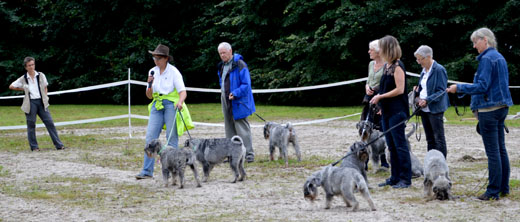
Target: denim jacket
column 490, row 86
column 240, row 85
column 435, row 85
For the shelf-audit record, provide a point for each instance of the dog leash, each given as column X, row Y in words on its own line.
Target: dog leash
column 391, row 128
column 383, row 134
column 185, row 126
column 171, row 131
column 252, row 111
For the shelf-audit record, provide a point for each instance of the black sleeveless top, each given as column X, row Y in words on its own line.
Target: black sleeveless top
column 394, row 105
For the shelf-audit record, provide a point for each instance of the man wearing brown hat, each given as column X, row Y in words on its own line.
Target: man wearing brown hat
column 237, row 96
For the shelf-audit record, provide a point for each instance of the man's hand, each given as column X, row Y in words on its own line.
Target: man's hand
column 231, row 97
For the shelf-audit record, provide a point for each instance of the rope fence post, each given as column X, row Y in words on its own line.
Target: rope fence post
column 129, row 109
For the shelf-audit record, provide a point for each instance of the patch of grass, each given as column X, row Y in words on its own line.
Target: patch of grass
column 92, row 192
column 3, row 173
column 210, row 112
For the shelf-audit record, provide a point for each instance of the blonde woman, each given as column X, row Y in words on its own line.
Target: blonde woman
column 393, row 100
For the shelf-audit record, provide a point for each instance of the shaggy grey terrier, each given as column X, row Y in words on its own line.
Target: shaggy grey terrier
column 173, row 161
column 280, row 136
column 417, row 167
column 377, row 148
column 437, row 182
column 356, row 158
column 337, row 181
column 211, row 152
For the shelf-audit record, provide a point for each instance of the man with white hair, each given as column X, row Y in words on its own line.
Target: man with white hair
column 432, row 82
column 237, row 96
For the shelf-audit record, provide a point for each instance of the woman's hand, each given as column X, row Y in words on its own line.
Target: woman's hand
column 452, row 89
column 368, row 90
column 422, row 103
column 178, row 106
column 375, row 99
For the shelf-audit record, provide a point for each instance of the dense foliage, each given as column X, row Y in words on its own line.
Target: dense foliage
column 285, row 43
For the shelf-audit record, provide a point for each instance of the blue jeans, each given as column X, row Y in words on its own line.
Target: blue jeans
column 155, row 124
column 492, row 130
column 434, row 129
column 401, row 165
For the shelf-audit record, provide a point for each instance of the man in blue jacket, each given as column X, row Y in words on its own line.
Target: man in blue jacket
column 237, row 96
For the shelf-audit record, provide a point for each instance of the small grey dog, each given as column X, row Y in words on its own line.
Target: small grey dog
column 211, row 152
column 173, row 161
column 337, row 181
column 437, row 182
column 356, row 158
column 417, row 167
column 377, row 148
column 280, row 136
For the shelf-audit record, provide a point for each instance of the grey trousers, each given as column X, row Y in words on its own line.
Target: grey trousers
column 238, row 127
column 45, row 116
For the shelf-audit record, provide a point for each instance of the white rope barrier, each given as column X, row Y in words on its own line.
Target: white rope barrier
column 66, row 123
column 196, row 89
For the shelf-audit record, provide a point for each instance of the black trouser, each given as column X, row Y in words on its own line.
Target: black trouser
column 45, row 116
column 434, row 129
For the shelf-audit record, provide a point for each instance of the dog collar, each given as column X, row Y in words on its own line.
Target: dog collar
column 161, row 150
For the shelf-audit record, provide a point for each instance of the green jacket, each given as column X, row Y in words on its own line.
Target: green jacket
column 174, row 97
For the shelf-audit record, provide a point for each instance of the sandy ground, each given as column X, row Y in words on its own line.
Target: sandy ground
column 269, row 193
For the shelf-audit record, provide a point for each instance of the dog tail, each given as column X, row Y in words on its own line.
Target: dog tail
column 237, row 140
column 289, row 126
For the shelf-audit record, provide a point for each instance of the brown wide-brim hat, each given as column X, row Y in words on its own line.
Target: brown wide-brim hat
column 161, row 50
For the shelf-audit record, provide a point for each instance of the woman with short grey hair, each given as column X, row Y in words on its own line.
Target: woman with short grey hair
column 432, row 98
column 36, row 102
column 491, row 99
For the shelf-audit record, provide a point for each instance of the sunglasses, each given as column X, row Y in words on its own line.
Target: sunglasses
column 157, row 58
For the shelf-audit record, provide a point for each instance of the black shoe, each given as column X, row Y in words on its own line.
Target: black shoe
column 142, row 176
column 504, row 194
column 386, row 183
column 485, row 197
column 36, row 149
column 401, row 185
column 61, row 148
column 250, row 159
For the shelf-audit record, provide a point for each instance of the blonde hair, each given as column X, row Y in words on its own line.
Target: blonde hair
column 485, row 32
column 390, row 49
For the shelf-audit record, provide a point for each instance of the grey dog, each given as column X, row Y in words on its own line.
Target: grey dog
column 377, row 148
column 437, row 182
column 280, row 136
column 337, row 181
column 211, row 152
column 417, row 167
column 356, row 158
column 173, row 161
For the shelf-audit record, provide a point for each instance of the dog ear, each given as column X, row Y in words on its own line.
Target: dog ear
column 190, row 157
column 187, row 143
column 316, row 181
